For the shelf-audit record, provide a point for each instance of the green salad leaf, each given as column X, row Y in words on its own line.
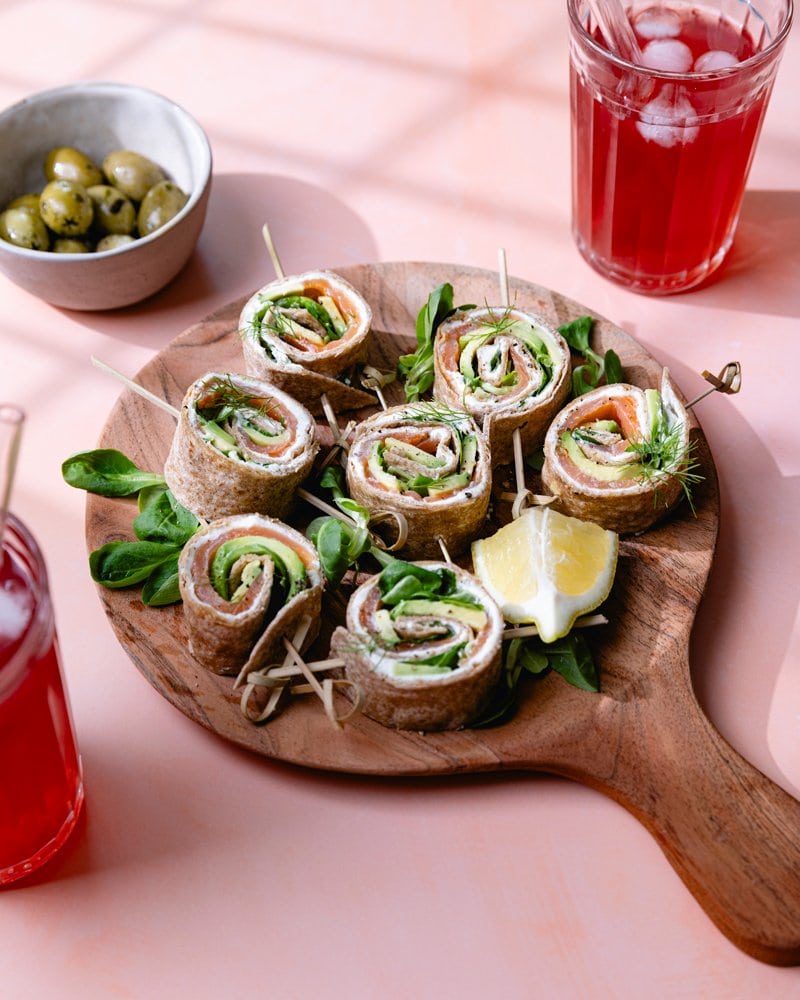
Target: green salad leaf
column 107, row 472
column 570, row 657
column 123, row 564
column 339, row 543
column 162, row 527
column 596, row 367
column 417, row 368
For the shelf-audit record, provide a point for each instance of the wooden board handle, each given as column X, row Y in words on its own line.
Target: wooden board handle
column 731, row 834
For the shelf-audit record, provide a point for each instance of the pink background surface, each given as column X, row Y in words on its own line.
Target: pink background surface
column 376, row 131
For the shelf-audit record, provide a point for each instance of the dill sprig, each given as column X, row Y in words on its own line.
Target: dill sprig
column 497, row 325
column 662, row 454
column 226, row 394
column 436, row 412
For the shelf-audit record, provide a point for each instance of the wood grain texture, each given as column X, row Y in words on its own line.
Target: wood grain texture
column 729, row 832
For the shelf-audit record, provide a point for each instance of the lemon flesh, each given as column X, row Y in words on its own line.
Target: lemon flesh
column 547, row 569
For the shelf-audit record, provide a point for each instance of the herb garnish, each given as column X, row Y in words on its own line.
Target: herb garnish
column 596, row 367
column 662, row 454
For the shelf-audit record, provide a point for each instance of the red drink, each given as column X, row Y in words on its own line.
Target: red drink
column 41, row 789
column 661, row 151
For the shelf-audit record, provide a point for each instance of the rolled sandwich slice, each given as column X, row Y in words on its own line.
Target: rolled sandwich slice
column 620, row 456
column 508, row 369
column 247, row 581
column 423, row 643
column 306, row 333
column 241, row 446
column 428, row 463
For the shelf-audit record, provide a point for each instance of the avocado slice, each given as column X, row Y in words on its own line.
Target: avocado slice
column 466, row 359
column 384, row 628
column 455, row 482
column 257, row 436
column 410, row 669
column 288, row 328
column 602, row 425
column 330, row 307
column 216, row 436
column 605, row 473
column 475, row 617
column 288, row 563
column 410, row 451
column 378, row 472
column 315, row 309
column 469, row 455
column 522, row 329
column 655, row 413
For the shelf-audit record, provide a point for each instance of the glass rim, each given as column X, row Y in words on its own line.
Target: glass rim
column 713, row 74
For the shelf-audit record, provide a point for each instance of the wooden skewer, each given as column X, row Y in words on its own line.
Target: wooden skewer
column 273, row 253
column 526, row 631
column 729, row 382
column 503, row 271
column 338, row 438
column 445, row 553
column 138, row 389
column 523, row 494
column 323, row 691
column 374, row 379
column 326, row 508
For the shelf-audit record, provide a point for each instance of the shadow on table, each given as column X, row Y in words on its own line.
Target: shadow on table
column 760, row 274
column 732, row 609
column 311, row 229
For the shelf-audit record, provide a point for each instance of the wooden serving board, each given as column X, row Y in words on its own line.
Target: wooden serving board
column 731, row 834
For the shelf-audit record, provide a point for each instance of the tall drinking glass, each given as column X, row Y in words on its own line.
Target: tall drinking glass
column 41, row 787
column 661, row 150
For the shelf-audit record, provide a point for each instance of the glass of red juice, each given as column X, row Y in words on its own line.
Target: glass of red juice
column 41, row 785
column 662, row 143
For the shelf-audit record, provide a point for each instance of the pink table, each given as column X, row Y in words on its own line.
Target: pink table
column 427, row 131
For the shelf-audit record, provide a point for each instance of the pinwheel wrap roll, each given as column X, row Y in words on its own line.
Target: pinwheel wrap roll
column 305, row 333
column 425, row 663
column 428, row 463
column 241, row 445
column 246, row 583
column 619, row 455
column 508, row 369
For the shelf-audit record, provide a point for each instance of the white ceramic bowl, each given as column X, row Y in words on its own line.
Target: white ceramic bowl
column 98, row 118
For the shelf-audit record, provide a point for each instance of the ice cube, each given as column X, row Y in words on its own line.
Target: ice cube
column 667, row 55
column 665, row 119
column 657, row 22
column 714, row 59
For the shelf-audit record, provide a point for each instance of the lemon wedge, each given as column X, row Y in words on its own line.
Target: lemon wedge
column 547, row 569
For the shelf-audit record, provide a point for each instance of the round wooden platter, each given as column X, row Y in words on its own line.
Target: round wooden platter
column 729, row 832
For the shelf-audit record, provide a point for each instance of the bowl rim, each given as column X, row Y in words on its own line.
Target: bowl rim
column 113, row 87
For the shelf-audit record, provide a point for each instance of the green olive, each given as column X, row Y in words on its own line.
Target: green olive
column 68, row 244
column 24, row 228
column 29, row 201
column 66, row 208
column 65, row 163
column 161, row 203
column 113, row 212
column 132, row 173
column 113, row 241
